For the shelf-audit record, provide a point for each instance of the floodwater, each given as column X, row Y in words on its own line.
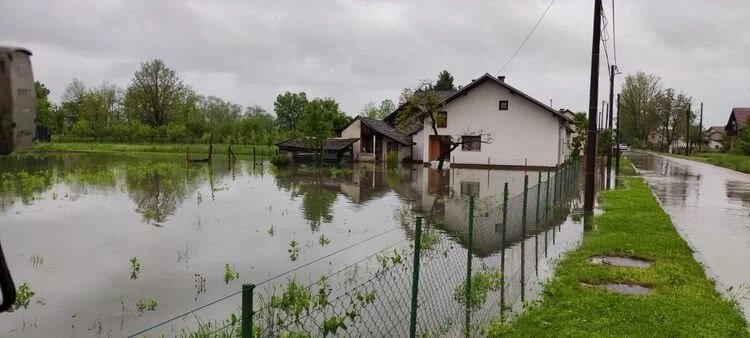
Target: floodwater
column 70, row 224
column 710, row 206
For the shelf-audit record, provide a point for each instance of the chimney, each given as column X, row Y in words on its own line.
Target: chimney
column 501, row 78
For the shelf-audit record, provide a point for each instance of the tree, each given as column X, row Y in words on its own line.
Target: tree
column 316, row 123
column 671, row 113
column 154, row 93
column 580, row 123
column 421, row 105
column 72, row 102
column 444, row 81
column 639, row 107
column 102, row 105
column 44, row 109
column 288, row 108
column 378, row 112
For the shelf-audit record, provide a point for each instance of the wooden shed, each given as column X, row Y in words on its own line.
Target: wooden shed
column 336, row 150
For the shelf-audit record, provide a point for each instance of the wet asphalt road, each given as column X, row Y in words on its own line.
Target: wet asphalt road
column 710, row 206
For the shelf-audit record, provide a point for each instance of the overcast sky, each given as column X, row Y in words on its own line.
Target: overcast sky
column 358, row 51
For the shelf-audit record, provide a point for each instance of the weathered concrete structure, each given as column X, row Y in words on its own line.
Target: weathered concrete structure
column 17, row 100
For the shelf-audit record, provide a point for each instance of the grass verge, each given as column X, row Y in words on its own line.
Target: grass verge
column 683, row 302
column 195, row 149
column 730, row 161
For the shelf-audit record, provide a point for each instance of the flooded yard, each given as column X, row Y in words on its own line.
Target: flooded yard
column 112, row 244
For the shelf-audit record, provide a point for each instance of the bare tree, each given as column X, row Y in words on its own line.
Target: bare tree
column 422, row 106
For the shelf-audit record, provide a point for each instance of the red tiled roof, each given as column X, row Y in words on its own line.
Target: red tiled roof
column 742, row 115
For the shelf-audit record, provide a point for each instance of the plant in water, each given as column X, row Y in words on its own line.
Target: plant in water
column 323, row 240
column 392, row 159
column 482, row 283
column 739, row 293
column 146, row 304
column 23, row 297
column 230, row 274
column 135, row 268
column 270, row 231
column 293, row 250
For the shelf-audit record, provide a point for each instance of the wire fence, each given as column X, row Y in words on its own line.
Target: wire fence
column 433, row 284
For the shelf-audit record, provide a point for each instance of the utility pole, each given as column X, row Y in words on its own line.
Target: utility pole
column 700, row 128
column 609, row 151
column 687, row 132
column 590, row 171
column 617, row 160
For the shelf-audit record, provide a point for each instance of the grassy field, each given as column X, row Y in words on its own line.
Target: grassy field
column 194, row 149
column 731, row 161
column 684, row 303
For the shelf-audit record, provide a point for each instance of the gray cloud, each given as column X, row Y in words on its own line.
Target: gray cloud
column 360, row 51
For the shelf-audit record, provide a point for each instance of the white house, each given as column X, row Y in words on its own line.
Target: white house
column 715, row 138
column 376, row 139
column 520, row 130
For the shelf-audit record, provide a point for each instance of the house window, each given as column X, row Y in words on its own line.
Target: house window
column 503, row 105
column 442, row 119
column 471, row 143
column 469, row 188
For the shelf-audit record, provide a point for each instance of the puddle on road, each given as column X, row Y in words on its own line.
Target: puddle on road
column 629, row 262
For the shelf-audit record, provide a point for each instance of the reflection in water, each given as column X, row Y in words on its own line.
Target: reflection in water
column 738, row 191
column 220, row 214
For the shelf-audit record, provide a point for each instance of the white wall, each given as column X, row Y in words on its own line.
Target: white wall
column 524, row 131
column 354, row 131
column 418, row 138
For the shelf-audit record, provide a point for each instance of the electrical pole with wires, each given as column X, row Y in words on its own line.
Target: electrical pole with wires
column 609, row 118
column 617, row 160
column 590, row 171
column 687, row 131
column 700, row 130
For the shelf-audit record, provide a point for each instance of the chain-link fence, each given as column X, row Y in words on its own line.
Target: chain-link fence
column 433, row 284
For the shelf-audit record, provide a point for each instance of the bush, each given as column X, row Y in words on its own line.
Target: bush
column 281, row 160
column 392, row 159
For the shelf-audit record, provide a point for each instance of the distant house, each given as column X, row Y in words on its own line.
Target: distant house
column 375, row 139
column 715, row 137
column 524, row 131
column 738, row 119
column 336, row 150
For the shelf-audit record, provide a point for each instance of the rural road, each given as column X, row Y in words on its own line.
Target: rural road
column 710, row 206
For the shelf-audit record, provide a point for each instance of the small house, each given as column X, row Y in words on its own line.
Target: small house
column 738, row 119
column 375, row 139
column 715, row 138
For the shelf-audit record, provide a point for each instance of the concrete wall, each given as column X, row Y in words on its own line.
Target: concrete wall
column 17, row 101
column 354, row 130
column 523, row 132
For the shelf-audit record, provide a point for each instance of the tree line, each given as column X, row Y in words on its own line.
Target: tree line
column 647, row 107
column 157, row 106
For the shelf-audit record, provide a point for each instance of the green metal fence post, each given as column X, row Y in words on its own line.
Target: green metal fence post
column 538, row 196
column 554, row 191
column 502, row 249
column 546, row 196
column 470, row 249
column 247, row 310
column 415, row 278
column 525, row 200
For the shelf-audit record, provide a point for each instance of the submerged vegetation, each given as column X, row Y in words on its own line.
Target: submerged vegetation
column 135, row 268
column 146, row 304
column 23, row 297
column 230, row 274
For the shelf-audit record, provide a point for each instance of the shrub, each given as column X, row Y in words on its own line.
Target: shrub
column 281, row 160
column 392, row 158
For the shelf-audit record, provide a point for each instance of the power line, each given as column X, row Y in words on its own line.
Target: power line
column 605, row 38
column 527, row 37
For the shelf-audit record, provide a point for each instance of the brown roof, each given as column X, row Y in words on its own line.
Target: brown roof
column 742, row 115
column 335, row 144
column 383, row 128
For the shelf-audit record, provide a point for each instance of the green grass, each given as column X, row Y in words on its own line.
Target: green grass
column 684, row 302
column 195, row 149
column 731, row 161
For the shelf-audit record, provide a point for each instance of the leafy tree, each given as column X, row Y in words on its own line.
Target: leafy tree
column 378, row 112
column 44, row 109
column 421, row 105
column 444, row 81
column 72, row 102
column 102, row 105
column 316, row 123
column 639, row 107
column 154, row 93
column 288, row 108
column 580, row 123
